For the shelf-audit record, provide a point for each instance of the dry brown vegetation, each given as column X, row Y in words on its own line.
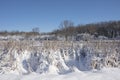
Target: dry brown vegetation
column 106, row 52
column 38, row 45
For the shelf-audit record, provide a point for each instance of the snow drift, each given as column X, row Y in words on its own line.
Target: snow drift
column 56, row 57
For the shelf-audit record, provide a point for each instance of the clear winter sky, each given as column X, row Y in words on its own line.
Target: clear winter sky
column 23, row 15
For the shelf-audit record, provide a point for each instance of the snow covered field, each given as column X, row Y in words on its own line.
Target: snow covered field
column 95, row 60
column 104, row 74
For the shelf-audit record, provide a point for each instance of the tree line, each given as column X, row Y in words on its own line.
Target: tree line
column 110, row 29
column 34, row 31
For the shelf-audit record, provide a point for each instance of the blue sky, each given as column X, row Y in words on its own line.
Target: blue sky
column 23, row 15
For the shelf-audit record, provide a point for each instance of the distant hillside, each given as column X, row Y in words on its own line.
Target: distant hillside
column 109, row 29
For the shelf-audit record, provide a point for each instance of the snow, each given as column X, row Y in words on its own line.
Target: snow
column 104, row 74
column 80, row 61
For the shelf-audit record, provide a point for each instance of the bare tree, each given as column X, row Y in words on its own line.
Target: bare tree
column 35, row 30
column 65, row 27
